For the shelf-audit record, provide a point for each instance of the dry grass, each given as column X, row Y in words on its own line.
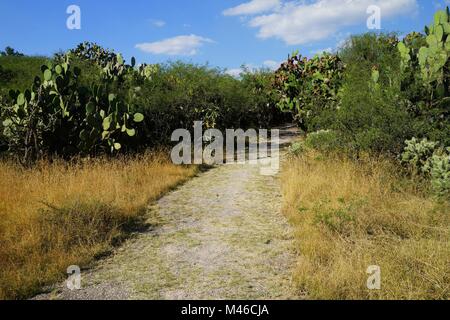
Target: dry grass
column 59, row 214
column 348, row 216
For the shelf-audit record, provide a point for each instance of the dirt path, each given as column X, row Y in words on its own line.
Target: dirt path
column 222, row 237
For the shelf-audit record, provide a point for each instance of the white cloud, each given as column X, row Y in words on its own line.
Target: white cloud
column 321, row 51
column 186, row 45
column 252, row 7
column 304, row 22
column 250, row 67
column 234, row 72
column 271, row 64
column 158, row 23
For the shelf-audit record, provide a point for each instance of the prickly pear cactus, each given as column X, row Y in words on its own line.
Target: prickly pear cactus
column 58, row 116
column 307, row 86
column 417, row 155
column 433, row 58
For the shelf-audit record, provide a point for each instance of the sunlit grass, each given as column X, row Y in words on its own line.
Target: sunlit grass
column 59, row 214
column 350, row 215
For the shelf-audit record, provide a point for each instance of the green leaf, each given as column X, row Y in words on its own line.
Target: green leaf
column 439, row 32
column 439, row 16
column 375, row 76
column 432, row 40
column 7, row 122
column 21, row 99
column 402, row 47
column 120, row 59
column 446, row 27
column 111, row 97
column 138, row 117
column 117, row 146
column 106, row 123
column 58, row 69
column 90, row 108
column 131, row 132
column 47, row 75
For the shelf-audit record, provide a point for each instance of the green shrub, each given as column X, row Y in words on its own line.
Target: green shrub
column 425, row 158
column 417, row 155
column 440, row 174
column 60, row 116
column 309, row 88
column 372, row 116
column 323, row 140
column 296, row 149
column 19, row 72
column 426, row 78
column 10, row 52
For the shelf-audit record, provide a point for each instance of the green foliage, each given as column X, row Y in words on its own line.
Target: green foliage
column 417, row 155
column 309, row 88
column 440, row 174
column 372, row 116
column 427, row 159
column 5, row 75
column 59, row 116
column 323, row 140
column 17, row 72
column 177, row 94
column 296, row 149
column 110, row 105
column 10, row 52
column 425, row 64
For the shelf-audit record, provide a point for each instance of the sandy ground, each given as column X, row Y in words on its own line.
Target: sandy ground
column 221, row 236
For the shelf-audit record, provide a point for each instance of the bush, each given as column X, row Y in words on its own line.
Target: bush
column 425, row 158
column 440, row 174
column 323, row 140
column 19, row 72
column 426, row 79
column 417, row 155
column 309, row 88
column 372, row 116
column 296, row 149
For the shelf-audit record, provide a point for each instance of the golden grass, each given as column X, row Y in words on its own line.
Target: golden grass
column 60, row 214
column 348, row 216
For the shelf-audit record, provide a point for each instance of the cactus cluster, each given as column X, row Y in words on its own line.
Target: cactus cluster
column 113, row 65
column 307, row 86
column 147, row 71
column 58, row 115
column 432, row 57
column 426, row 158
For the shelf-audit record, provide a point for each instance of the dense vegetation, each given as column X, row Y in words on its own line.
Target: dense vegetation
column 370, row 183
column 377, row 95
column 88, row 101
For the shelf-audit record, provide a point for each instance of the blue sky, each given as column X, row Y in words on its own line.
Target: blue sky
column 224, row 33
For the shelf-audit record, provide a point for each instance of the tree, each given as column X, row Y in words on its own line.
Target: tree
column 11, row 52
